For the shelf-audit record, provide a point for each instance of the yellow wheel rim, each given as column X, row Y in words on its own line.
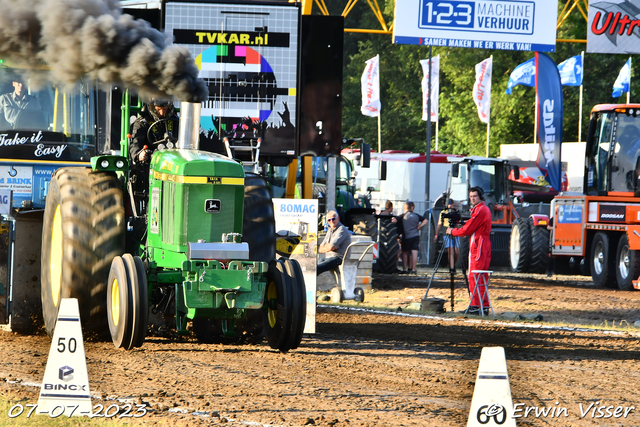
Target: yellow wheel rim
column 272, row 295
column 55, row 261
column 115, row 302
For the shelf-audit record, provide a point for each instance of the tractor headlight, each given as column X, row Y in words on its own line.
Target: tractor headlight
column 120, row 164
column 104, row 164
column 170, row 145
column 161, row 147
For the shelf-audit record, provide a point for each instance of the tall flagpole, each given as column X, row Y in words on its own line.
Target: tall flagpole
column 580, row 110
column 629, row 92
column 489, row 121
column 379, row 133
column 427, row 162
column 437, row 126
column 487, row 155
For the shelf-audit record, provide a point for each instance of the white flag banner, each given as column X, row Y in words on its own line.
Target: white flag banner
column 435, row 87
column 482, row 89
column 371, row 88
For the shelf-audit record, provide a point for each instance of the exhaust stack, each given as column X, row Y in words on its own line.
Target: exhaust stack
column 189, row 132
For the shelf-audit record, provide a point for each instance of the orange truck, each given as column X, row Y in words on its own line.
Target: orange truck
column 600, row 228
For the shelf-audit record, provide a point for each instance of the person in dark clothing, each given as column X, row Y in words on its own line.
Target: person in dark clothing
column 156, row 120
column 411, row 225
column 157, row 123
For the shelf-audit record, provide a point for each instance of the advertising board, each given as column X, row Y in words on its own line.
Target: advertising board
column 299, row 217
column 500, row 24
column 248, row 56
column 614, row 27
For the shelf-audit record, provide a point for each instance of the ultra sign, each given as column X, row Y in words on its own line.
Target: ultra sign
column 501, row 24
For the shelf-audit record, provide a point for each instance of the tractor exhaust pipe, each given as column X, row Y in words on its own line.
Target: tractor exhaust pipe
column 189, row 132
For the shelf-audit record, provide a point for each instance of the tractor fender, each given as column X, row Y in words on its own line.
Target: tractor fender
column 540, row 220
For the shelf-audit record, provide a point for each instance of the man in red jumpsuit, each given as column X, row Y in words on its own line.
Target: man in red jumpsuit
column 479, row 227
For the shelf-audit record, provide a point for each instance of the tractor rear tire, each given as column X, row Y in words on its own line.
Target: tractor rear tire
column 627, row 264
column 388, row 247
column 601, row 262
column 539, row 249
column 83, row 230
column 258, row 224
column 259, row 231
column 520, row 246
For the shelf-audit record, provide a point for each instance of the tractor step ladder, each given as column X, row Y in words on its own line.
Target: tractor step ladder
column 252, row 146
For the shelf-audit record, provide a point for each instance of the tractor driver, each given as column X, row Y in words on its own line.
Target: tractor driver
column 156, row 120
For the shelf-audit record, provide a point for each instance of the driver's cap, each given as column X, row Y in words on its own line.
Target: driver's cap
column 160, row 102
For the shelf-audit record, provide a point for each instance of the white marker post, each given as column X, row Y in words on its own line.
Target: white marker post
column 491, row 404
column 65, row 387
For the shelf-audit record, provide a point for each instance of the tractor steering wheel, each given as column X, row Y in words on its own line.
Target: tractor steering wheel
column 157, row 127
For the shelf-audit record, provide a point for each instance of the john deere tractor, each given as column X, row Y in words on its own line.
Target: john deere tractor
column 198, row 243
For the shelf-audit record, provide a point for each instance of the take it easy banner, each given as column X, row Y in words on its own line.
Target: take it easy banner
column 614, row 27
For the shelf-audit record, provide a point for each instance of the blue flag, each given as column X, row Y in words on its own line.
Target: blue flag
column 571, row 71
column 623, row 81
column 523, row 74
column 549, row 92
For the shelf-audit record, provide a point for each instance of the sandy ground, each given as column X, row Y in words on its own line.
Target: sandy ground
column 366, row 369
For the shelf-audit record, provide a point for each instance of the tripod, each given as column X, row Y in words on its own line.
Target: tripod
column 452, row 270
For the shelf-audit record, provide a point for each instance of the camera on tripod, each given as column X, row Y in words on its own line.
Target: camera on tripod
column 454, row 216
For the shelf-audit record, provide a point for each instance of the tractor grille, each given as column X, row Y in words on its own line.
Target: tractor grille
column 210, row 226
column 185, row 219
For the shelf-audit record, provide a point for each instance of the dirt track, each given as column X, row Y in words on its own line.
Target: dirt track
column 372, row 369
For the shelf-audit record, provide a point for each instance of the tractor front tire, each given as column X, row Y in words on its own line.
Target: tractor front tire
column 520, row 246
column 83, row 230
column 539, row 249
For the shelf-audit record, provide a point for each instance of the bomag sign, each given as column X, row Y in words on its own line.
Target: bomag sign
column 247, row 38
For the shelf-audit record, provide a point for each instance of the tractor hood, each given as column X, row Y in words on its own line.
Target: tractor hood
column 195, row 163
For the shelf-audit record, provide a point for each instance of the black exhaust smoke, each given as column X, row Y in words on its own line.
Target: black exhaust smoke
column 94, row 37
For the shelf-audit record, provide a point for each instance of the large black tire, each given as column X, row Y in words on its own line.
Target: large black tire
column 388, row 247
column 539, row 249
column 298, row 302
column 259, row 231
column 602, row 263
column 83, row 230
column 520, row 246
column 258, row 224
column 279, row 305
column 119, row 303
column 627, row 264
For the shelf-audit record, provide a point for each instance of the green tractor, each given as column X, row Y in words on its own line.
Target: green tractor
column 198, row 245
